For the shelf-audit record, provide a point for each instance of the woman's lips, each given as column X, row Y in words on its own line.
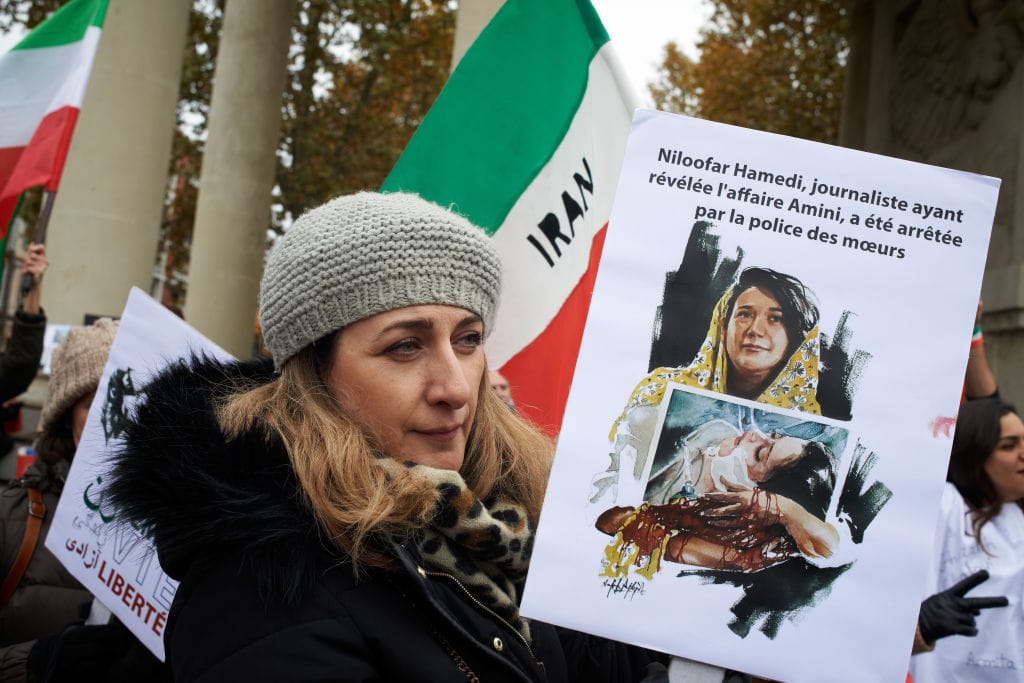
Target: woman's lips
column 441, row 433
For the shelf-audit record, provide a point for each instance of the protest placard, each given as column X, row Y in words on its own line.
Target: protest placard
column 115, row 561
column 756, row 438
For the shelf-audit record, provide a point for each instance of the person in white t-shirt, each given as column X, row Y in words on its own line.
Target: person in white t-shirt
column 980, row 537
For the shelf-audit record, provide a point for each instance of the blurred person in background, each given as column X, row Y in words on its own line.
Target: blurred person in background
column 46, row 598
column 19, row 363
column 978, row 538
column 502, row 387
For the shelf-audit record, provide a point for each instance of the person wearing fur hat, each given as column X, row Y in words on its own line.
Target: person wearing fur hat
column 361, row 506
column 47, row 598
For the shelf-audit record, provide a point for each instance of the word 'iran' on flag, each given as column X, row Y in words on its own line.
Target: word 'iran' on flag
column 42, row 82
column 526, row 140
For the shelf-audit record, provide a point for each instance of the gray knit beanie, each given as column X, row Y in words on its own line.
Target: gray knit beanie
column 368, row 253
column 76, row 368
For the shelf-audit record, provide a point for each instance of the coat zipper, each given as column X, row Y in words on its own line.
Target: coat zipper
column 482, row 606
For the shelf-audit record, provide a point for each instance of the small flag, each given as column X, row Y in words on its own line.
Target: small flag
column 526, row 141
column 42, row 82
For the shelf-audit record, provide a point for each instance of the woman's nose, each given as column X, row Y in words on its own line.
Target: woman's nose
column 447, row 381
column 757, row 327
column 755, row 435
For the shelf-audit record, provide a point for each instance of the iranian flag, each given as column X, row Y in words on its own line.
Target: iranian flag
column 42, row 82
column 526, row 140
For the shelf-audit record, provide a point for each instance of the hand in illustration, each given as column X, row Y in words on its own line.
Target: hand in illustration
column 740, row 499
column 814, row 537
column 949, row 613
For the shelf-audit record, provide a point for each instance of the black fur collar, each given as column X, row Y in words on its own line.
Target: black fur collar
column 202, row 498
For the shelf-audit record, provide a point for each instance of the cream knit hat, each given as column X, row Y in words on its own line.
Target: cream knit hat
column 76, row 368
column 368, row 253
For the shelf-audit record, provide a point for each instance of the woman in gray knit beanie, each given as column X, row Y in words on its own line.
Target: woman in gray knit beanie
column 363, row 506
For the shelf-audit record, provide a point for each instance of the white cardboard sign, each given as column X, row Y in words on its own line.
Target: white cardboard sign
column 114, row 561
column 745, row 482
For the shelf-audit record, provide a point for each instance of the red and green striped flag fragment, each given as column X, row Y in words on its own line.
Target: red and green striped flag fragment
column 526, row 141
column 42, row 82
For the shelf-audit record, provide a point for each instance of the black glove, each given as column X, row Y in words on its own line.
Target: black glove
column 950, row 613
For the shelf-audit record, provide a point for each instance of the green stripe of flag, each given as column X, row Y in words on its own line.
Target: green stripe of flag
column 66, row 25
column 504, row 110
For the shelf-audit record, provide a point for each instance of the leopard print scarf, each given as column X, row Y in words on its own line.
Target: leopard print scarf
column 485, row 545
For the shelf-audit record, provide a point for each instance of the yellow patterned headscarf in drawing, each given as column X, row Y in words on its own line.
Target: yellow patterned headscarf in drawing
column 794, row 387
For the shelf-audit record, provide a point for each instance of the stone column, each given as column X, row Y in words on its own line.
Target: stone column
column 858, row 75
column 233, row 208
column 953, row 101
column 102, row 236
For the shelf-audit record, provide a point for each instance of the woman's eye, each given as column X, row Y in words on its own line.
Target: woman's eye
column 743, row 314
column 470, row 340
column 777, row 319
column 406, row 347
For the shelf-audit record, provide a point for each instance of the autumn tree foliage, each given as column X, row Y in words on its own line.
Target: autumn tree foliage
column 364, row 75
column 774, row 65
column 361, row 76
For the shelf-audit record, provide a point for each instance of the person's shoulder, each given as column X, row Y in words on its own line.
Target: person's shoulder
column 222, row 599
column 228, row 580
column 952, row 501
column 953, row 519
column 222, row 619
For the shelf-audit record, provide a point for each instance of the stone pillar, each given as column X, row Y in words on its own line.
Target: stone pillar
column 102, row 236
column 946, row 87
column 858, row 75
column 470, row 19
column 233, row 208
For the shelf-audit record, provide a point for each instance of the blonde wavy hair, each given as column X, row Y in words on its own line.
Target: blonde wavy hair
column 357, row 503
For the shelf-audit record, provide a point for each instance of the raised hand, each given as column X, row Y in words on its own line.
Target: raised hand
column 949, row 613
column 35, row 262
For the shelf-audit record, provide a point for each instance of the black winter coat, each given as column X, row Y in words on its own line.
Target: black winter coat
column 20, row 362
column 263, row 598
column 48, row 598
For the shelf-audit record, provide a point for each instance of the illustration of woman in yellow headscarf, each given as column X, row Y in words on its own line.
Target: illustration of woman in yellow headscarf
column 762, row 345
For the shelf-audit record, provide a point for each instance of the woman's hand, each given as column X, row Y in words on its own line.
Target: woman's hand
column 814, row 537
column 741, row 500
column 949, row 612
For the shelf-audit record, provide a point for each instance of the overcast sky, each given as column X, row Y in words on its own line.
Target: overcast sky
column 639, row 30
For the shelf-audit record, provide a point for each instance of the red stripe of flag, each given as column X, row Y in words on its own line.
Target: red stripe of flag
column 541, row 373
column 40, row 162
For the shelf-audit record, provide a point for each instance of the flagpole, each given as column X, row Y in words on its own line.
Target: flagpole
column 27, row 281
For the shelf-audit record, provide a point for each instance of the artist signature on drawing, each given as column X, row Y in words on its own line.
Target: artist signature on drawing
column 623, row 587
